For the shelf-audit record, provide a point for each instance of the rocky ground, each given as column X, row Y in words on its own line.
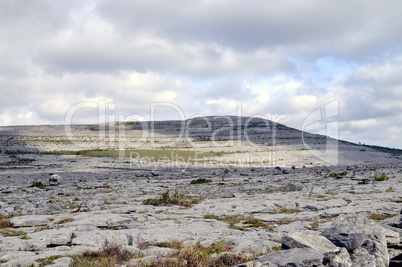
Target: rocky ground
column 59, row 206
column 83, row 210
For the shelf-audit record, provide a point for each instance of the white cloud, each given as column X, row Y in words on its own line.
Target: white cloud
column 287, row 58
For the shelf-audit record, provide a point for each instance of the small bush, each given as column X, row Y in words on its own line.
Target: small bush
column 380, row 178
column 6, row 223
column 201, row 181
column 175, row 199
column 110, row 255
column 39, row 185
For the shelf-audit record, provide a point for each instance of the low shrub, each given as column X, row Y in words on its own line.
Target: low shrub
column 201, row 181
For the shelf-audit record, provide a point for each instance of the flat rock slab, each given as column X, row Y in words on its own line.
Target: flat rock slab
column 301, row 257
column 30, row 220
column 301, row 240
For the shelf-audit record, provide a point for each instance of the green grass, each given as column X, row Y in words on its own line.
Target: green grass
column 5, row 222
column 39, row 185
column 111, row 255
column 232, row 220
column 167, row 199
column 286, row 211
column 199, row 255
column 379, row 178
column 135, row 154
column 196, row 255
column 201, row 181
column 48, row 260
column 11, row 232
column 379, row 217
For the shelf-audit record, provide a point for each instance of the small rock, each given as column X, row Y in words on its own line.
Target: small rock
column 54, row 180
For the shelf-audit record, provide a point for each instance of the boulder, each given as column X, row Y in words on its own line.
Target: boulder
column 343, row 237
column 338, row 258
column 300, row 257
column 54, row 180
column 30, row 220
column 302, row 240
column 363, row 240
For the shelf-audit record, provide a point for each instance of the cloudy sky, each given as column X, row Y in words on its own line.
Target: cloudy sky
column 271, row 58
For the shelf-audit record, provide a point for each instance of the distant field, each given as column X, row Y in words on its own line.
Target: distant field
column 167, row 154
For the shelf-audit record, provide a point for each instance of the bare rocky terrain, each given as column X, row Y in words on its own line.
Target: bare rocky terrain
column 249, row 183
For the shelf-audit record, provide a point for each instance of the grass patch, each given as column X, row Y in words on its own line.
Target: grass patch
column 254, row 223
column 65, row 220
column 39, row 185
column 48, row 260
column 201, row 181
column 140, row 153
column 11, row 232
column 232, row 220
column 379, row 178
column 5, row 222
column 286, row 211
column 111, row 255
column 166, row 199
column 379, row 217
column 216, row 254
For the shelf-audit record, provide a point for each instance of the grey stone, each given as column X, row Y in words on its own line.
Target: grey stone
column 298, row 257
column 361, row 257
column 361, row 238
column 302, row 240
column 339, row 258
column 342, row 237
column 54, row 179
column 30, row 220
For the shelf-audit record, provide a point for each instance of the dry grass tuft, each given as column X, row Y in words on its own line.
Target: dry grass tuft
column 11, row 232
column 65, row 220
column 217, row 254
column 108, row 256
column 379, row 217
column 6, row 223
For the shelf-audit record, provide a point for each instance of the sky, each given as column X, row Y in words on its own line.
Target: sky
column 87, row 61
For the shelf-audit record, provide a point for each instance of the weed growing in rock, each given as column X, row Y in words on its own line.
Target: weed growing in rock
column 25, row 236
column 379, row 178
column 232, row 220
column 175, row 199
column 201, row 181
column 10, row 232
column 254, row 223
column 48, row 260
column 5, row 222
column 39, row 185
column 216, row 254
column 109, row 255
column 286, row 211
column 65, row 220
column 379, row 217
